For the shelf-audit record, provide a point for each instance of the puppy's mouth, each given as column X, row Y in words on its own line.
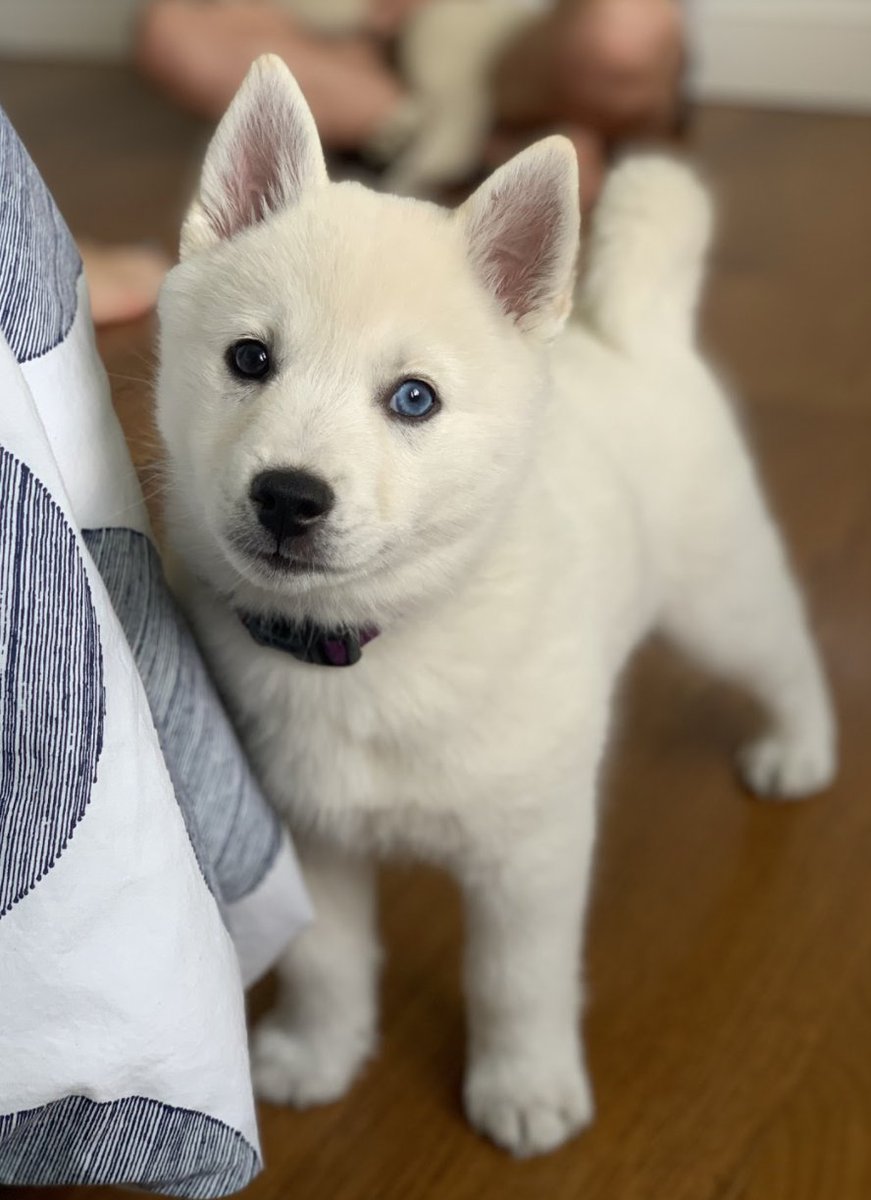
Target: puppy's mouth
column 276, row 562
column 305, row 561
column 253, row 557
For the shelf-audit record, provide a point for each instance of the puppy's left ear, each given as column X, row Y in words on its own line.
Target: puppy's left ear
column 522, row 229
column 264, row 154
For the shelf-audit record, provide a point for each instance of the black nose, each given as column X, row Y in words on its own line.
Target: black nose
column 290, row 503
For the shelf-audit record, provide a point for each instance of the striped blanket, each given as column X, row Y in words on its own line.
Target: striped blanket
column 143, row 879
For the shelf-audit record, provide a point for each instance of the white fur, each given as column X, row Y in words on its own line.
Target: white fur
column 568, row 498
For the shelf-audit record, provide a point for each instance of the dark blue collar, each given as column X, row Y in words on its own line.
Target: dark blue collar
column 308, row 642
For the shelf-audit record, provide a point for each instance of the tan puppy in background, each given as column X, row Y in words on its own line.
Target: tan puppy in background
column 445, row 52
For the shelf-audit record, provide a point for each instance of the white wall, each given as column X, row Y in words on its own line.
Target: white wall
column 82, row 28
column 807, row 53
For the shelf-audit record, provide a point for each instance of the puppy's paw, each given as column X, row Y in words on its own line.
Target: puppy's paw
column 292, row 1067
column 527, row 1109
column 786, row 769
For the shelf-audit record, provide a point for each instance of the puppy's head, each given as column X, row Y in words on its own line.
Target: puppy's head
column 350, row 382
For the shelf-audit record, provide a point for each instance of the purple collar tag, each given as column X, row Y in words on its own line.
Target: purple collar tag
column 308, row 642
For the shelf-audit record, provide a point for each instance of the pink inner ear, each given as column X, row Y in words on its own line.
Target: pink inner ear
column 264, row 168
column 519, row 239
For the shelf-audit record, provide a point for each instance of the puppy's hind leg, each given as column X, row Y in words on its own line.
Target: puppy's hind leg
column 733, row 603
column 309, row 1048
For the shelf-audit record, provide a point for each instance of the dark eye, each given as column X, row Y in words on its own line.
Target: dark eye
column 414, row 399
column 249, row 359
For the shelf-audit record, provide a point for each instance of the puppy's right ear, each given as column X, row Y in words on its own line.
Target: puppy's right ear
column 264, row 154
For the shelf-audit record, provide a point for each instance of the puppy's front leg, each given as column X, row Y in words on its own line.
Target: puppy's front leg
column 526, row 1085
column 310, row 1047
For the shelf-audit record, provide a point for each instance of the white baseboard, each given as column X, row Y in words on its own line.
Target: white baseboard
column 805, row 53
column 98, row 29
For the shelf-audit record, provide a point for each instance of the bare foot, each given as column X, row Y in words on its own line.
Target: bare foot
column 199, row 54
column 504, row 143
column 123, row 281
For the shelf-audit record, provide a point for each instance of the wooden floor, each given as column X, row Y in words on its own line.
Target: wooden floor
column 729, row 959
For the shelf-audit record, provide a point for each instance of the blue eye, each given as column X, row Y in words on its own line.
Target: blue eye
column 414, row 400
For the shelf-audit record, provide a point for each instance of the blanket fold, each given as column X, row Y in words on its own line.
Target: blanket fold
column 143, row 878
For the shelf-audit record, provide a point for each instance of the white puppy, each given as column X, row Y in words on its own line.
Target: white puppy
column 381, row 456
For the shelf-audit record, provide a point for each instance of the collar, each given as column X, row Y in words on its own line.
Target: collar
column 308, row 642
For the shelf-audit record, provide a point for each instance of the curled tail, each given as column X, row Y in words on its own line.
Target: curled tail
column 650, row 236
